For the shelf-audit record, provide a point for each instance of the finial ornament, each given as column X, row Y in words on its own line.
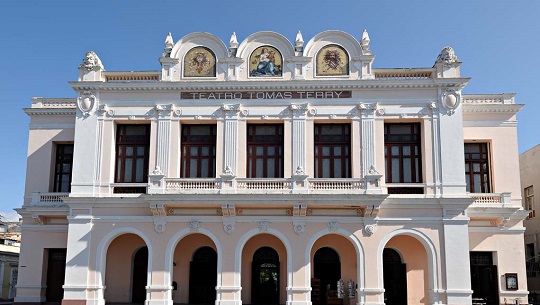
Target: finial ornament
column 364, row 43
column 233, row 45
column 169, row 44
column 299, row 44
column 447, row 56
column 91, row 61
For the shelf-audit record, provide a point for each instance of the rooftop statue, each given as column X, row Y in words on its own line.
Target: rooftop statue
column 447, row 56
column 90, row 61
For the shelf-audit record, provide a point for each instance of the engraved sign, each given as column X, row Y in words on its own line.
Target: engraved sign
column 265, row 95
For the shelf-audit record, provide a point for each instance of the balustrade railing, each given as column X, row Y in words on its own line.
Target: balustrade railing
column 491, row 198
column 193, row 184
column 336, row 184
column 263, row 184
column 48, row 198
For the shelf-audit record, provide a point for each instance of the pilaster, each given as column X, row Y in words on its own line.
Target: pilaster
column 163, row 138
column 230, row 139
column 88, row 136
column 78, row 256
column 367, row 149
column 456, row 260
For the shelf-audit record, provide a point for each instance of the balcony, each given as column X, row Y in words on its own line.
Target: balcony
column 48, row 199
column 492, row 199
column 159, row 184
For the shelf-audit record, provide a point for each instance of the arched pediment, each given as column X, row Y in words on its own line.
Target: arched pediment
column 259, row 39
column 345, row 40
column 188, row 42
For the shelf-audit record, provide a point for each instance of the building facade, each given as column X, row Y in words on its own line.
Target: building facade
column 271, row 172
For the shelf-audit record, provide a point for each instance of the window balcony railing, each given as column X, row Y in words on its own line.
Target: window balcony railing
column 48, row 198
column 158, row 184
column 492, row 198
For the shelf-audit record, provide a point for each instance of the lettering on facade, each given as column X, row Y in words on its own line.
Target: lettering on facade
column 265, row 95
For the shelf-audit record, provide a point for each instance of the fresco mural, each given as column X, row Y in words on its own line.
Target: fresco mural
column 200, row 62
column 332, row 60
column 265, row 61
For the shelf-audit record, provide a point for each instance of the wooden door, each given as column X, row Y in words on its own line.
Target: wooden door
column 56, row 272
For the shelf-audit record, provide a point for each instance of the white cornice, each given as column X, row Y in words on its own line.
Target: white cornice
column 272, row 85
column 492, row 108
column 49, row 111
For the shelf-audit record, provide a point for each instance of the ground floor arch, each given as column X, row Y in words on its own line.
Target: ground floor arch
column 333, row 257
column 264, row 270
column 126, row 273
column 194, row 270
column 405, row 271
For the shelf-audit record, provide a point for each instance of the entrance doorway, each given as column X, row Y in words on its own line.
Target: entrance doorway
column 56, row 272
column 265, row 276
column 327, row 269
column 140, row 270
column 484, row 278
column 395, row 278
column 203, row 276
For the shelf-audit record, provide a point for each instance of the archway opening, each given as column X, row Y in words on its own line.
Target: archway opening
column 194, row 272
column 405, row 271
column 126, row 270
column 327, row 272
column 395, row 278
column 203, row 276
column 140, row 270
column 265, row 276
column 263, row 267
column 333, row 257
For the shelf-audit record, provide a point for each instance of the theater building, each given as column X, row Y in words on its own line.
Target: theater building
column 271, row 172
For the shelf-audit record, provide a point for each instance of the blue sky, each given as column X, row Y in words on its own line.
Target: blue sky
column 43, row 42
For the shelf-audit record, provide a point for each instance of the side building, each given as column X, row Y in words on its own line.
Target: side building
column 529, row 165
column 271, row 172
column 10, row 238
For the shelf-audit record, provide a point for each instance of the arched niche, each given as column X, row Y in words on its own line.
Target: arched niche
column 345, row 40
column 199, row 62
column 254, row 42
column 332, row 60
column 198, row 40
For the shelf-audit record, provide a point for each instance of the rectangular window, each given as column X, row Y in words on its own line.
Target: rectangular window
column 63, row 167
column 332, row 151
column 265, row 151
column 402, row 153
column 198, row 151
column 529, row 201
column 132, row 154
column 477, row 168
